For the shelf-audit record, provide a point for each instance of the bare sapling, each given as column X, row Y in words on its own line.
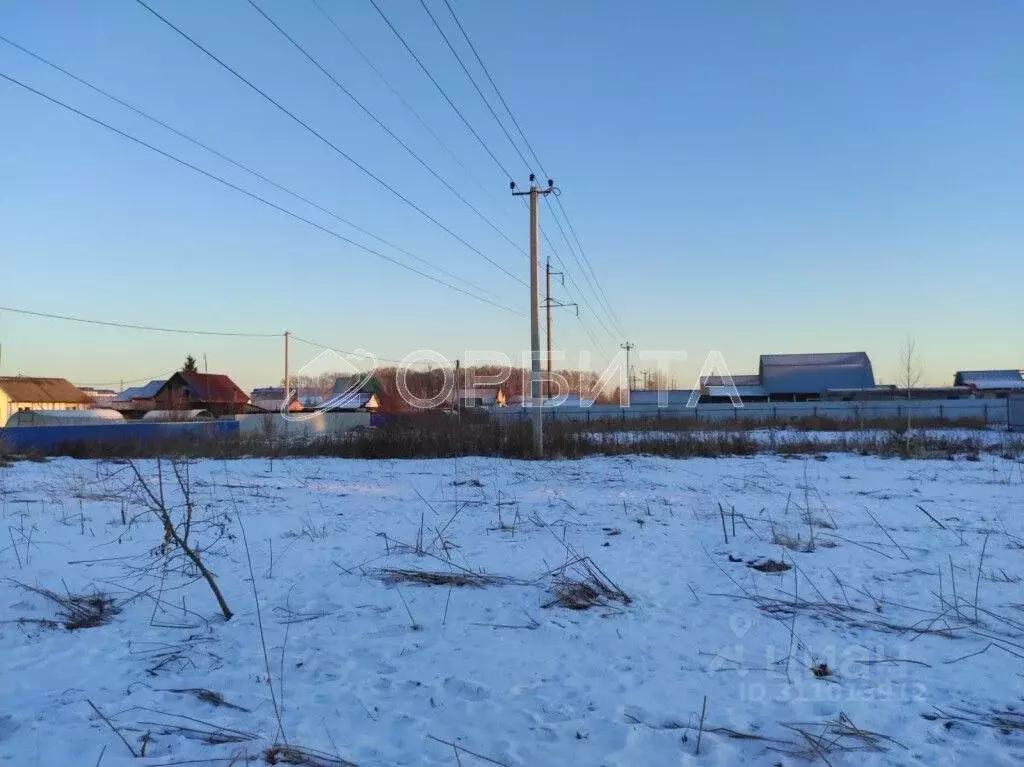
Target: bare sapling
column 176, row 535
column 909, row 374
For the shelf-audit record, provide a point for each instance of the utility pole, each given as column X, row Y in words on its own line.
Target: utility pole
column 287, row 374
column 629, row 376
column 547, row 302
column 206, row 367
column 550, row 303
column 536, row 396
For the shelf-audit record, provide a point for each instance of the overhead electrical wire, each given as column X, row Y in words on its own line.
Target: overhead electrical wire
column 395, row 92
column 241, row 166
column 472, row 80
column 441, row 90
column 132, row 326
column 606, row 303
column 255, row 196
column 381, row 182
column 312, row 59
column 501, row 124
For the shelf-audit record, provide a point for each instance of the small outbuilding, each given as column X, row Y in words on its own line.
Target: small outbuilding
column 18, row 393
column 63, row 418
column 481, row 397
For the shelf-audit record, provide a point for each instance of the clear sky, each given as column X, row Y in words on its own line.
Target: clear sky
column 748, row 177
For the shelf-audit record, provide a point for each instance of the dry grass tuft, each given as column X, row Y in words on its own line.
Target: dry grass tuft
column 434, row 578
column 769, row 566
column 1004, row 720
column 590, row 589
column 821, row 671
column 282, row 753
column 819, row 740
column 78, row 611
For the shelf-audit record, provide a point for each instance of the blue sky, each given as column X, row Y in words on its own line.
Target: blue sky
column 746, row 177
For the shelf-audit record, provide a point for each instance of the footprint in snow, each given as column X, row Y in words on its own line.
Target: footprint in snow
column 464, row 689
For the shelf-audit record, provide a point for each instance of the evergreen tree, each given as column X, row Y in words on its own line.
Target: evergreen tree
column 190, row 365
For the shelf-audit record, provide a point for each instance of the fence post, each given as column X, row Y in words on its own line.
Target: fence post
column 985, row 408
column 942, row 414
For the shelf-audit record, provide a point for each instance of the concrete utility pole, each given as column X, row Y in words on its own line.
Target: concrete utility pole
column 550, row 303
column 287, row 374
column 536, row 395
column 629, row 376
column 547, row 302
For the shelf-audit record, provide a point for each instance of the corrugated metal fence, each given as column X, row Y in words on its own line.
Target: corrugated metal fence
column 990, row 411
column 49, row 439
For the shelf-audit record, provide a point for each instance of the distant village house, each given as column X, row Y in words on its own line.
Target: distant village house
column 18, row 393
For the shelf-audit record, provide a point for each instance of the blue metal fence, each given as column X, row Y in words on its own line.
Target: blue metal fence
column 49, row 439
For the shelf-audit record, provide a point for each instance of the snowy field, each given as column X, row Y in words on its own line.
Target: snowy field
column 739, row 611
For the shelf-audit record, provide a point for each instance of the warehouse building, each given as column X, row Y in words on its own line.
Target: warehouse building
column 797, row 377
column 991, row 383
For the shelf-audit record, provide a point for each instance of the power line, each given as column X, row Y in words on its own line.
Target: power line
column 255, row 196
column 380, row 123
column 131, row 326
column 606, row 303
column 94, row 384
column 242, row 166
column 501, row 125
column 473, row 81
column 383, row 78
column 439, row 88
column 343, row 352
column 327, row 141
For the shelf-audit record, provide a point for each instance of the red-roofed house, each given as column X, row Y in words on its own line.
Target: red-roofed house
column 202, row 391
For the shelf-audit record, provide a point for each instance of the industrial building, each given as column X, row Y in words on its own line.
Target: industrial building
column 991, row 383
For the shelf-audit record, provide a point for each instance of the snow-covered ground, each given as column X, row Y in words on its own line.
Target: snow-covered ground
column 899, row 614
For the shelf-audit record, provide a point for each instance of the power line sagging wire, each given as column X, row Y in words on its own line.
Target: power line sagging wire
column 132, row 326
column 326, row 141
column 369, row 113
column 599, row 292
column 256, row 174
column 254, row 196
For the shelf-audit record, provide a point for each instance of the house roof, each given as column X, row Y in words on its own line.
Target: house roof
column 55, row 390
column 343, row 385
column 140, row 392
column 739, row 380
column 814, row 373
column 353, row 401
column 990, row 379
column 211, row 388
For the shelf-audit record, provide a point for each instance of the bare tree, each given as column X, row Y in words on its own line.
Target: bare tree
column 176, row 534
column 910, row 369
